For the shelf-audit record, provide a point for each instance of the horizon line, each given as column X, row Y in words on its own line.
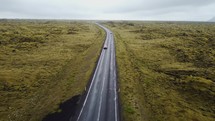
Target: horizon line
column 76, row 19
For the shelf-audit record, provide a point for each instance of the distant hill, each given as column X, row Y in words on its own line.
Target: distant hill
column 212, row 20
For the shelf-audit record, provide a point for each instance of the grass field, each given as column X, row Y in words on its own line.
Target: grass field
column 166, row 70
column 44, row 63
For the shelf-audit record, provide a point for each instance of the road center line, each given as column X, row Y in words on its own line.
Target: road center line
column 100, row 59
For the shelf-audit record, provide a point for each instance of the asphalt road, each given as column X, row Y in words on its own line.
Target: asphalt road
column 101, row 100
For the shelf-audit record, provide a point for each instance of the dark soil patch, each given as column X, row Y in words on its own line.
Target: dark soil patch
column 68, row 109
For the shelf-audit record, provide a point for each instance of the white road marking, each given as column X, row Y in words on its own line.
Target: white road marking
column 100, row 103
column 110, row 42
column 114, row 77
column 102, row 56
column 115, row 99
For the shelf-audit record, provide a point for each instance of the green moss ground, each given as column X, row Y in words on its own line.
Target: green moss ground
column 166, row 70
column 44, row 63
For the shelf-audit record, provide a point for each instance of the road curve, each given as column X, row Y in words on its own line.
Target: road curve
column 101, row 101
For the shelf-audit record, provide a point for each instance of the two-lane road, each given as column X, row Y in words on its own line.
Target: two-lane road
column 101, row 101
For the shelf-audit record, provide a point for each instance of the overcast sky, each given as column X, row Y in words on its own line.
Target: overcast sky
column 186, row 10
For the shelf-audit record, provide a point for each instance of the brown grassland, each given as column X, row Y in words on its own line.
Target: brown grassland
column 166, row 70
column 43, row 63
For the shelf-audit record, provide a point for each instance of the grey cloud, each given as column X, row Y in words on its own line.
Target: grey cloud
column 110, row 9
column 140, row 5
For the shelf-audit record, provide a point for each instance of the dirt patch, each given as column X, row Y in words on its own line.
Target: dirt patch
column 66, row 110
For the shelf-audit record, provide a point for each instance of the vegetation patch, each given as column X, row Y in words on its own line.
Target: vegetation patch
column 166, row 70
column 43, row 64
